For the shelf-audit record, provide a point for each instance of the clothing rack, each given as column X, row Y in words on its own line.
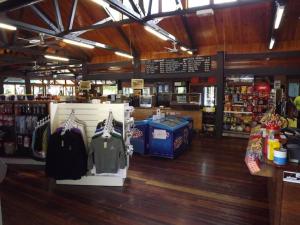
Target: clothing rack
column 108, row 125
column 42, row 122
column 91, row 114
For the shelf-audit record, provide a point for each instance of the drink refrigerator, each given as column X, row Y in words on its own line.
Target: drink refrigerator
column 210, row 96
column 209, row 110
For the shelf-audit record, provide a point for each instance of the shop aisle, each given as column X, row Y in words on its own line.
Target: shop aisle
column 208, row 184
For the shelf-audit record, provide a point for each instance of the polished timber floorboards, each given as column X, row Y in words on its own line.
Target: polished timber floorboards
column 208, row 184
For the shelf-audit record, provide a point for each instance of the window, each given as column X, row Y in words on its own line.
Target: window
column 60, row 81
column 127, row 91
column 69, row 91
column 155, row 7
column 36, row 81
column 146, row 5
column 114, row 14
column 146, row 91
column 9, row 89
column 223, row 1
column 197, row 3
column 128, row 5
column 20, row 89
column 168, row 5
column 110, row 82
column 70, row 82
column 14, row 80
column 37, row 90
column 55, row 90
column 110, row 90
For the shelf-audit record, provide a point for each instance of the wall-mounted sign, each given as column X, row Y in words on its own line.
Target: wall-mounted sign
column 277, row 84
column 291, row 177
column 137, row 83
column 85, row 85
column 179, row 65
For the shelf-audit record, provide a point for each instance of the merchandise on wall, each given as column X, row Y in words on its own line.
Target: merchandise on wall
column 18, row 122
column 246, row 100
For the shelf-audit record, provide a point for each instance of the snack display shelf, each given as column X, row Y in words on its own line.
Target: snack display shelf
column 238, row 134
column 238, row 112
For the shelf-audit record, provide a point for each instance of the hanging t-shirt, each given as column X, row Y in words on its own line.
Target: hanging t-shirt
column 108, row 154
column 66, row 156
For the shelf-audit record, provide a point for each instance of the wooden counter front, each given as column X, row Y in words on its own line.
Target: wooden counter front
column 144, row 113
column 284, row 197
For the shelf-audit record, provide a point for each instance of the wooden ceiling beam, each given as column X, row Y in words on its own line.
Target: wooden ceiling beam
column 4, row 36
column 127, row 41
column 39, row 12
column 36, row 29
column 265, row 55
column 16, row 4
column 28, row 27
column 168, row 14
column 188, row 32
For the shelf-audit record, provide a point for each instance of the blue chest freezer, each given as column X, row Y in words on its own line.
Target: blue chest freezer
column 140, row 137
column 168, row 137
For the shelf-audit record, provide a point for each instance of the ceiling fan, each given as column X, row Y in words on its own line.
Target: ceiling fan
column 179, row 50
column 40, row 41
column 174, row 49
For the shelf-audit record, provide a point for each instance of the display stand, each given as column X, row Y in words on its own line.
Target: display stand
column 92, row 114
column 16, row 158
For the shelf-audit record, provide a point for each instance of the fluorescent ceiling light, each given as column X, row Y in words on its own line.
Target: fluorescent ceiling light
column 101, row 2
column 157, row 34
column 183, row 48
column 223, row 1
column 78, row 43
column 278, row 16
column 7, row 27
column 190, row 52
column 58, row 58
column 272, row 42
column 100, row 45
column 172, row 37
column 34, row 41
column 124, row 55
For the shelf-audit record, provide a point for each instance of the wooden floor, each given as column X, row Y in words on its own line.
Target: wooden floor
column 208, row 184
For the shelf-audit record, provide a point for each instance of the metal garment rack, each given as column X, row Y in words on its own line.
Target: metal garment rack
column 92, row 114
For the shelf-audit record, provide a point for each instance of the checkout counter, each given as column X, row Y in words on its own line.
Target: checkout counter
column 180, row 105
column 283, row 181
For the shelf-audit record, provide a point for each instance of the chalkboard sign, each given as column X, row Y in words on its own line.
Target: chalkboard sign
column 179, row 65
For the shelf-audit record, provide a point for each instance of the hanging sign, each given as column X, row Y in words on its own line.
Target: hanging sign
column 85, row 85
column 277, row 84
column 137, row 83
column 179, row 65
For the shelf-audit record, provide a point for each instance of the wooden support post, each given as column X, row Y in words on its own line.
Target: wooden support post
column 84, row 71
column 1, row 85
column 137, row 68
column 27, row 84
column 220, row 94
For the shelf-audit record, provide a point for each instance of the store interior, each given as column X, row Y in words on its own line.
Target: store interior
column 126, row 111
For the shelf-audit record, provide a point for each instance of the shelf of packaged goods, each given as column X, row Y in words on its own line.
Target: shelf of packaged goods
column 239, row 105
column 237, row 112
column 238, row 134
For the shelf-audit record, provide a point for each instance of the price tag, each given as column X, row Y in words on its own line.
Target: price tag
column 159, row 134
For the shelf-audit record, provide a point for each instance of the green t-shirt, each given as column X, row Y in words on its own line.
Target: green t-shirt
column 297, row 103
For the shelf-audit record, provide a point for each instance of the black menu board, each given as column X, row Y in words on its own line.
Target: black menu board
column 179, row 65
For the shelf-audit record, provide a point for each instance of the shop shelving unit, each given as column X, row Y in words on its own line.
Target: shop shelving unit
column 243, row 107
column 15, row 109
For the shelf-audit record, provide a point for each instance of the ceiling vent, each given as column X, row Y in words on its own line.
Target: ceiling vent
column 205, row 12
